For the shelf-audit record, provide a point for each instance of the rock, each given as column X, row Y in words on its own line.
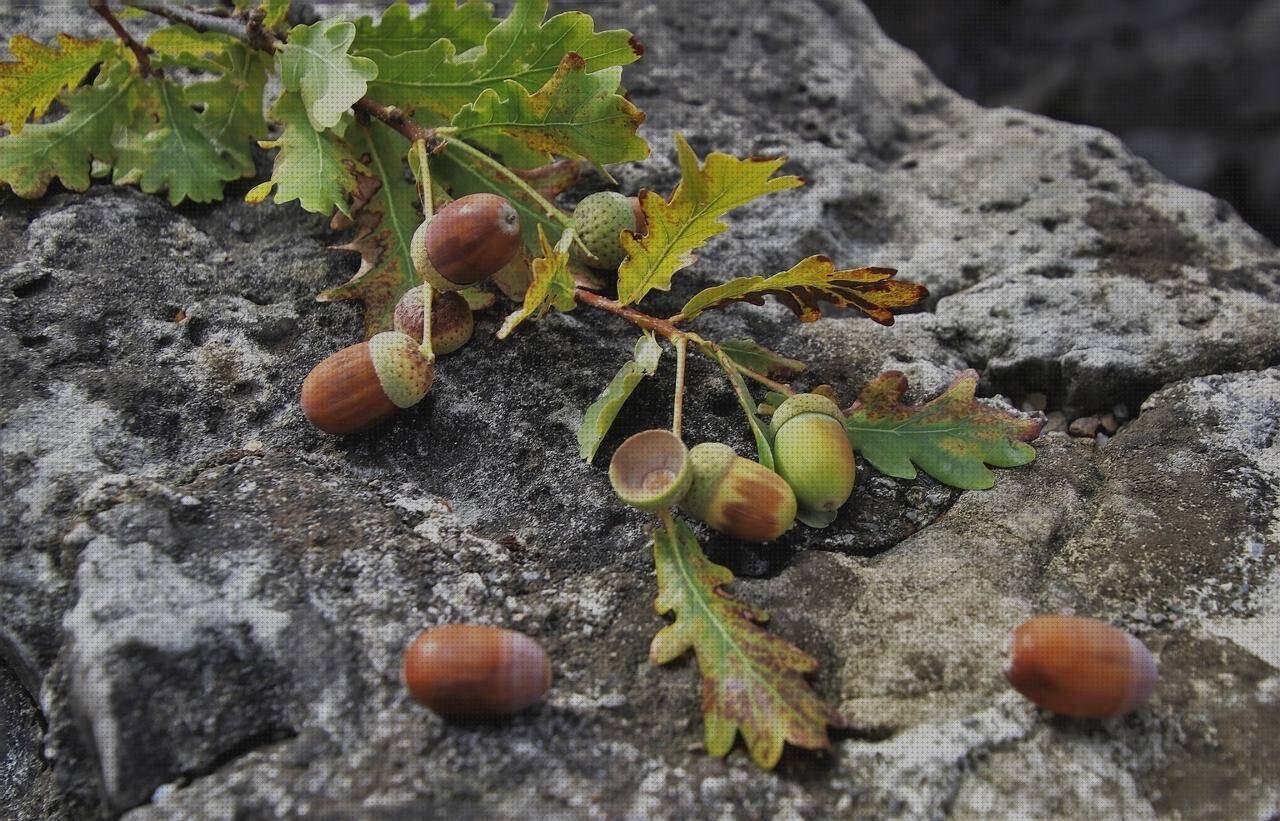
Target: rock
column 1055, row 422
column 206, row 600
column 1035, row 401
column 1084, row 426
column 1109, row 423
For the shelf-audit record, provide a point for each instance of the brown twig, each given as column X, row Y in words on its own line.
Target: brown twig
column 252, row 32
column 140, row 51
column 638, row 318
column 399, row 121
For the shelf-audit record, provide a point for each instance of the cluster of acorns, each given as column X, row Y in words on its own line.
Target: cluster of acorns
column 465, row 242
column 814, row 474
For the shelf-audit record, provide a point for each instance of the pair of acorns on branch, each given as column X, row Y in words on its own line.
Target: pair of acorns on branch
column 464, row 243
column 814, row 474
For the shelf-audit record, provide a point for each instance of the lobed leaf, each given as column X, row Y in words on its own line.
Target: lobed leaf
column 183, row 45
column 232, row 104
column 952, row 437
column 753, row 355
column 64, row 149
column 386, row 215
column 523, row 49
column 753, row 682
column 600, row 416
column 552, row 285
column 163, row 148
column 812, row 281
column 313, row 167
column 398, row 31
column 316, row 63
column 676, row 227
column 30, row 83
column 576, row 114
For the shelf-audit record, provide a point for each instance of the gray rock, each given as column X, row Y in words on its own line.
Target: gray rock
column 206, row 599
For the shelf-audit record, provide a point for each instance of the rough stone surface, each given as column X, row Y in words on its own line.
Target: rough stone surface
column 204, row 599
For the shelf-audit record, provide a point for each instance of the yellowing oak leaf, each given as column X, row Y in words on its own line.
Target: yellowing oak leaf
column 676, row 227
column 31, row 82
column 952, row 438
column 575, row 114
column 753, row 682
column 66, row 147
column 316, row 64
column 812, row 281
column 552, row 285
column 386, row 215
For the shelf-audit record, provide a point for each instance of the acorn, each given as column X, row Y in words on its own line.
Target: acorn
column 1080, row 667
column 362, row 384
column 812, row 452
column 475, row 670
column 651, row 470
column 451, row 321
column 599, row 221
column 736, row 495
column 470, row 238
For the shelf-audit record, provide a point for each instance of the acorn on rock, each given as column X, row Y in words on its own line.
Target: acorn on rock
column 1080, row 667
column 651, row 470
column 599, row 221
column 451, row 321
column 812, row 452
column 475, row 670
column 362, row 384
column 736, row 495
column 467, row 240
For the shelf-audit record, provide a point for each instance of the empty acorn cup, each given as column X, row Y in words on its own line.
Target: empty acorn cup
column 650, row 470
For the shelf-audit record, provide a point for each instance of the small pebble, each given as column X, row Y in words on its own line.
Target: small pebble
column 1101, row 439
column 1034, row 402
column 1055, row 422
column 1109, row 423
column 1084, row 426
column 1120, row 412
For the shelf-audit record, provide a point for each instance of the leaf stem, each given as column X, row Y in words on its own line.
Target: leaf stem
column 550, row 208
column 677, row 412
column 636, row 317
column 772, row 384
column 141, row 52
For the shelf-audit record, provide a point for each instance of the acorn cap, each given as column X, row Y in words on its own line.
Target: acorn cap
column 403, row 372
column 650, row 470
column 804, row 403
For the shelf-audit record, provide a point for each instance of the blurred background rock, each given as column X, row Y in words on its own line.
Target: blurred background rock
column 1191, row 85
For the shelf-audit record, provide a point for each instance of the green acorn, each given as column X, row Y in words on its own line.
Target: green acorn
column 736, row 495
column 812, row 452
column 599, row 221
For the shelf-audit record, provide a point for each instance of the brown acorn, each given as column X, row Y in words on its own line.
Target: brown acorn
column 475, row 670
column 451, row 321
column 362, row 384
column 1081, row 667
column 472, row 237
column 736, row 495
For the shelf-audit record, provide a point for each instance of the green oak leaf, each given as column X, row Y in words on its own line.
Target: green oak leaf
column 523, row 48
column 65, row 148
column 276, row 12
column 753, row 682
column 813, row 281
column 164, row 149
column 31, row 82
column 676, row 227
column 551, row 287
column 575, row 114
column 600, row 416
column 753, row 355
column 764, row 443
column 385, row 219
column 952, row 438
column 200, row 50
column 232, row 116
column 398, row 30
column 316, row 64
column 316, row 168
